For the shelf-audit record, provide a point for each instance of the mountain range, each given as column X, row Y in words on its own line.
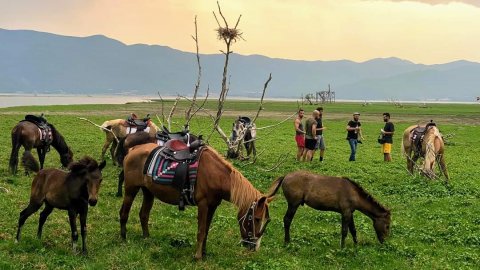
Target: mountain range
column 38, row 62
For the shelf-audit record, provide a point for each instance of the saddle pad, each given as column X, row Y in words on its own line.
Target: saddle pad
column 131, row 130
column 45, row 135
column 162, row 170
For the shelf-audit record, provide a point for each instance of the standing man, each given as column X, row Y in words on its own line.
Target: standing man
column 353, row 130
column 387, row 134
column 320, row 128
column 299, row 134
column 311, row 135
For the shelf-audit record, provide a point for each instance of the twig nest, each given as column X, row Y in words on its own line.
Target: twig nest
column 229, row 33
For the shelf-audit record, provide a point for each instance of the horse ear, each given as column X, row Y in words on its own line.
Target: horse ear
column 269, row 199
column 261, row 202
column 102, row 165
column 78, row 168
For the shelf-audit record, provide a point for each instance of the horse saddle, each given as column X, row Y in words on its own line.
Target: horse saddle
column 165, row 135
column 416, row 136
column 45, row 130
column 176, row 164
column 139, row 124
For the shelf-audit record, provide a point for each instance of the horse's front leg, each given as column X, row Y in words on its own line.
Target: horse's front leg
column 443, row 167
column 145, row 210
column 346, row 219
column 83, row 229
column 41, row 151
column 211, row 212
column 202, row 228
column 72, row 217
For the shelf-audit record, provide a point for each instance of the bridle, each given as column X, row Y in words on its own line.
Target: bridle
column 248, row 224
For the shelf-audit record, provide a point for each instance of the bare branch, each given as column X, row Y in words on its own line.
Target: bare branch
column 238, row 21
column 263, row 95
column 220, row 11
column 4, row 189
column 279, row 162
column 169, row 119
column 197, row 85
column 163, row 115
column 105, row 129
column 277, row 123
column 200, row 107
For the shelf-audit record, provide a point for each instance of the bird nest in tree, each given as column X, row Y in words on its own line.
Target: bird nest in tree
column 229, row 33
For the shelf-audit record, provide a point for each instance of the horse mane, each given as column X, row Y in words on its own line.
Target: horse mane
column 58, row 141
column 430, row 135
column 242, row 192
column 366, row 195
column 77, row 168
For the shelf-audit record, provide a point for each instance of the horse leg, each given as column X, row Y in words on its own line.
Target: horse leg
column 83, row 229
column 287, row 220
column 353, row 230
column 113, row 150
column 443, row 167
column 41, row 156
column 31, row 208
column 211, row 211
column 145, row 210
column 346, row 220
column 14, row 156
column 121, row 176
column 105, row 147
column 202, row 228
column 43, row 217
column 72, row 217
column 130, row 193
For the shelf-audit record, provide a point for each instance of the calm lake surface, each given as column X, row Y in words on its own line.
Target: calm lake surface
column 12, row 100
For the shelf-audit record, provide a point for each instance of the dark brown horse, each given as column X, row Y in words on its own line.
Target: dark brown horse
column 27, row 134
column 217, row 180
column 329, row 193
column 72, row 191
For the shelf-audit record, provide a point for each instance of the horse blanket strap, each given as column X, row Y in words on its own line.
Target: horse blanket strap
column 180, row 174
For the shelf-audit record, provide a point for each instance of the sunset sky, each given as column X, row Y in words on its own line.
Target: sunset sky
column 422, row 31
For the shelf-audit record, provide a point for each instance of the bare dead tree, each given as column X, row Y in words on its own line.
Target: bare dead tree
column 197, row 85
column 172, row 111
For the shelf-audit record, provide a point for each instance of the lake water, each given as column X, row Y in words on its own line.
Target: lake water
column 12, row 100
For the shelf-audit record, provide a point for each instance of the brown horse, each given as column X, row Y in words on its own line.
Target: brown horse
column 72, row 191
column 432, row 150
column 120, row 129
column 217, row 180
column 27, row 134
column 329, row 193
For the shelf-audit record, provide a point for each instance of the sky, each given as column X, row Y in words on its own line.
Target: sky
column 422, row 31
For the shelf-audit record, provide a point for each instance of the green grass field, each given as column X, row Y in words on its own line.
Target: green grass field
column 434, row 226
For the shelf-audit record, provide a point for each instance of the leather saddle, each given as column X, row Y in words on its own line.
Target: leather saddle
column 45, row 129
column 417, row 134
column 165, row 135
column 140, row 124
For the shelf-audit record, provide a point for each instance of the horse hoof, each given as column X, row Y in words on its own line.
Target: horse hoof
column 118, row 195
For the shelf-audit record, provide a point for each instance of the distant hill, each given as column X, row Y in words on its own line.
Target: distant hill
column 40, row 62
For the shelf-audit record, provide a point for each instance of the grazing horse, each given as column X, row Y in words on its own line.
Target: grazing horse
column 431, row 147
column 328, row 193
column 27, row 134
column 217, row 180
column 72, row 191
column 120, row 128
column 243, row 132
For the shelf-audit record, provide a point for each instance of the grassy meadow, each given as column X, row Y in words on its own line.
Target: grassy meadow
column 434, row 226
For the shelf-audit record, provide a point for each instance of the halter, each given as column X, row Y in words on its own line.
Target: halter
column 248, row 225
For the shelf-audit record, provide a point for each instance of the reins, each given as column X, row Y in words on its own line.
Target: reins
column 249, row 227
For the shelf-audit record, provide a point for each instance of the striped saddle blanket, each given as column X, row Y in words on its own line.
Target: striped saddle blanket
column 180, row 174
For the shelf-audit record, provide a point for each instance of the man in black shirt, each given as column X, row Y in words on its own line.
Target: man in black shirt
column 387, row 134
column 320, row 140
column 353, row 130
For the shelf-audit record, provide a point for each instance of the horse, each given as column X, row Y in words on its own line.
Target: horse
column 328, row 193
column 243, row 131
column 432, row 150
column 216, row 180
column 27, row 134
column 72, row 191
column 138, row 138
column 120, row 128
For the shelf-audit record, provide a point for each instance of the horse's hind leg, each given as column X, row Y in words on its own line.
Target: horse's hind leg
column 31, row 208
column 113, row 150
column 145, row 210
column 14, row 157
column 287, row 220
column 130, row 193
column 105, row 147
column 121, row 176
column 43, row 217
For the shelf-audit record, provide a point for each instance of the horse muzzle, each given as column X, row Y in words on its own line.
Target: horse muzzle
column 92, row 202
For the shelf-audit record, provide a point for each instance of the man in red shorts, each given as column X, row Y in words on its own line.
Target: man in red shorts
column 299, row 134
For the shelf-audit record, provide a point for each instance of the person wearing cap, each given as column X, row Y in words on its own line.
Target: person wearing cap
column 387, row 134
column 353, row 131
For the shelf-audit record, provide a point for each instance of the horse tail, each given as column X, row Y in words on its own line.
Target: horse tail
column 106, row 125
column 275, row 186
column 16, row 134
column 29, row 162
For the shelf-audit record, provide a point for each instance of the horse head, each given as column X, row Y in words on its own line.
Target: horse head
column 254, row 222
column 66, row 158
column 89, row 170
column 433, row 147
column 382, row 226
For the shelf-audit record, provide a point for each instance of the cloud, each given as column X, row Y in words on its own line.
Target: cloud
column 440, row 2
